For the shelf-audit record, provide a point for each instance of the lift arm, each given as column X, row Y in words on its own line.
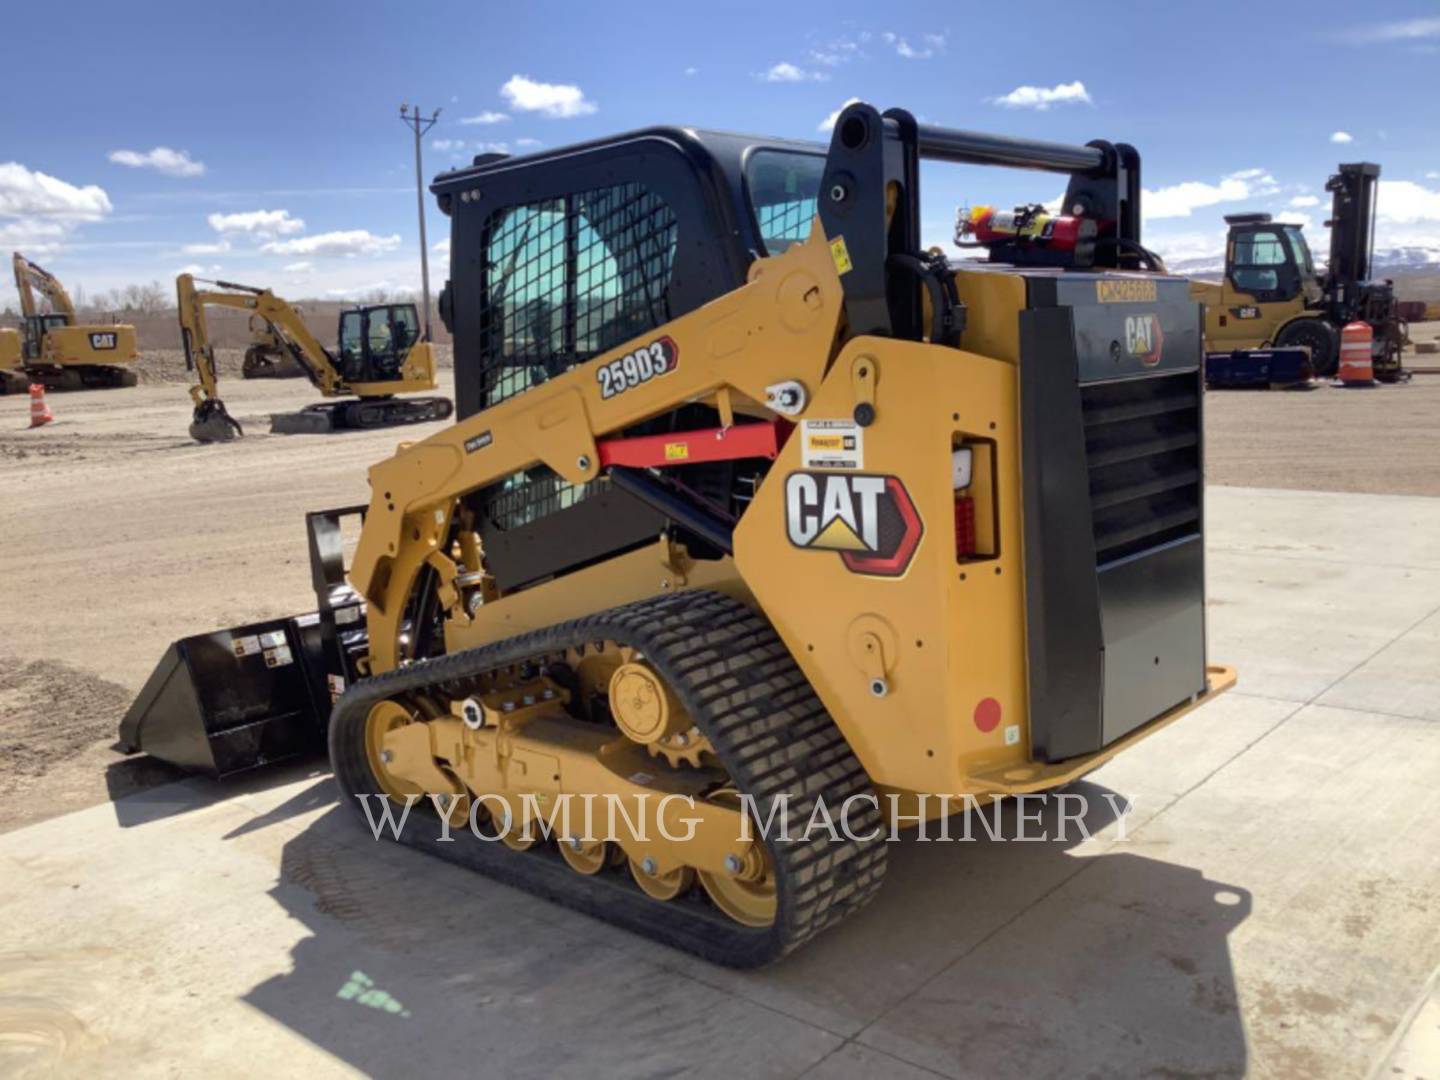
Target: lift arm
column 283, row 319
column 29, row 279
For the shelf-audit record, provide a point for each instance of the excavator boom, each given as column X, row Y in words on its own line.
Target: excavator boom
column 31, row 278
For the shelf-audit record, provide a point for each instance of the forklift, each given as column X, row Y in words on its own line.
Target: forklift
column 1273, row 301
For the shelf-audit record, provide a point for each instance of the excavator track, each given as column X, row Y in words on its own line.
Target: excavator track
column 768, row 729
column 361, row 415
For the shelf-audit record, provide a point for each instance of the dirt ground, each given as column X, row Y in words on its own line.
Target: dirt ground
column 121, row 535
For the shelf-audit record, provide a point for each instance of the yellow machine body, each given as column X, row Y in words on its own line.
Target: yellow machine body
column 943, row 637
column 847, row 525
column 58, row 350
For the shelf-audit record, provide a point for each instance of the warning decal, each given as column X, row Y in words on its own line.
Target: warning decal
column 832, row 444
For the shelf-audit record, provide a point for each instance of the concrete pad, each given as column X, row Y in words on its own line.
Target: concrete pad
column 1417, row 1046
column 1279, row 920
column 341, row 953
column 1299, row 596
column 1324, row 526
column 1402, row 678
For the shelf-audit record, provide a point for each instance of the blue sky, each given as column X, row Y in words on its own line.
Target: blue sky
column 263, row 144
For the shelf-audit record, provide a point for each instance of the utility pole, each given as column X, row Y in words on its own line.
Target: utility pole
column 420, row 125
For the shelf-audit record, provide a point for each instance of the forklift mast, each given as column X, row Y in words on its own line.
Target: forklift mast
column 1352, row 223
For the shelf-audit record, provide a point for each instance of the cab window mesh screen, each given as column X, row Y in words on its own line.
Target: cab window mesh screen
column 568, row 278
column 565, row 280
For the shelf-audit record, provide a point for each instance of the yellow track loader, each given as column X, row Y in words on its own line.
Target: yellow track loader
column 266, row 357
column 756, row 515
column 60, row 353
column 380, row 355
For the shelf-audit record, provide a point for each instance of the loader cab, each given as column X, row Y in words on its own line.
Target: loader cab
column 36, row 327
column 562, row 256
column 559, row 256
column 1268, row 260
column 375, row 340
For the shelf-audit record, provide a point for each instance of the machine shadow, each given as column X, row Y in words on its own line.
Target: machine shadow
column 980, row 957
column 143, row 789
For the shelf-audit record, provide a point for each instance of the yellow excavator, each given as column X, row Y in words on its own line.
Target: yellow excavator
column 380, row 355
column 61, row 353
column 764, row 530
column 13, row 379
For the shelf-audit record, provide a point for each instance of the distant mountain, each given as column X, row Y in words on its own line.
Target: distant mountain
column 1388, row 262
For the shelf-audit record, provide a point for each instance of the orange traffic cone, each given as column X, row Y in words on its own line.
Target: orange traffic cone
column 1356, row 368
column 39, row 412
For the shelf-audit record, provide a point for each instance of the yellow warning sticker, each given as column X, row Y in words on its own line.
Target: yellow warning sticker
column 677, row 451
column 841, row 254
column 1125, row 291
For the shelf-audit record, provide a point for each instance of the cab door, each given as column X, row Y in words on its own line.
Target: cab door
column 1261, row 266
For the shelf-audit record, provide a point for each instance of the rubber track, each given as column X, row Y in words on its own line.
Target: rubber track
column 772, row 734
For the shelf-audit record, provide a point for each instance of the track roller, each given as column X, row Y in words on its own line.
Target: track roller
column 692, row 660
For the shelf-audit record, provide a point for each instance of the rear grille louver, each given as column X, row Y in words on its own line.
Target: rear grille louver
column 1142, row 449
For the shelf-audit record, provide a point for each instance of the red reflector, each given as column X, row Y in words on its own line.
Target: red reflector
column 987, row 714
column 964, row 526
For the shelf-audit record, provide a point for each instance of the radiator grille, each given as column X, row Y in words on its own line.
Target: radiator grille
column 1142, row 448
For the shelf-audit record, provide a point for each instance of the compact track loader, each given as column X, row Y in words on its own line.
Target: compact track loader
column 380, row 355
column 1272, row 301
column 267, row 357
column 58, row 351
column 754, row 509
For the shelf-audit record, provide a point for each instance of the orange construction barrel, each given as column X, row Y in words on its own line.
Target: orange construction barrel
column 1356, row 368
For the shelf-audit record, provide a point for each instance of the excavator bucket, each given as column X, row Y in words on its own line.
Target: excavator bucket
column 212, row 423
column 236, row 699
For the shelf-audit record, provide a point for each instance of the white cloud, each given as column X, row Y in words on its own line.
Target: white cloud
column 557, row 100
column 162, row 159
column 1406, row 202
column 1305, row 200
column 259, row 223
column 1179, row 200
column 786, row 72
column 1290, row 217
column 835, row 53
column 1042, row 97
column 1341, row 137
column 528, row 142
column 1432, row 176
column 193, row 269
column 1405, row 30
column 34, row 236
column 384, row 287
column 447, row 144
column 206, row 249
column 828, row 124
column 692, row 71
column 25, row 193
column 441, row 247
column 346, row 243
column 298, row 267
column 486, row 117
column 930, row 45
